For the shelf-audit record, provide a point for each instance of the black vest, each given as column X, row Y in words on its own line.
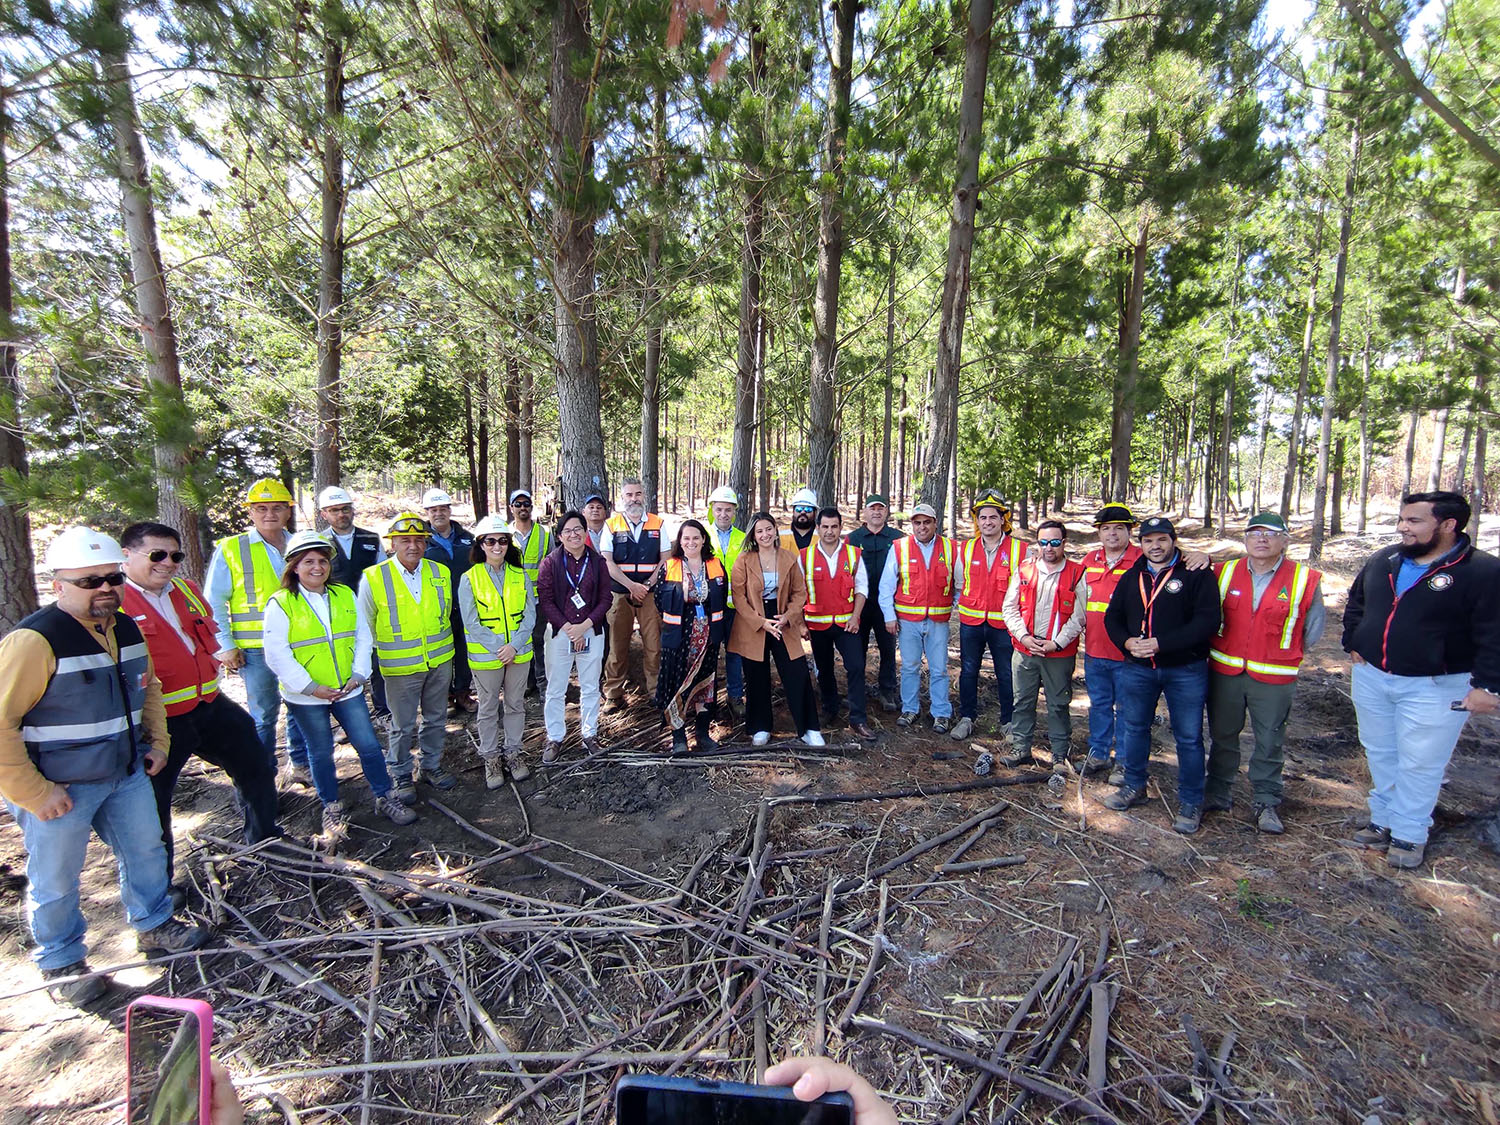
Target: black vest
column 349, row 569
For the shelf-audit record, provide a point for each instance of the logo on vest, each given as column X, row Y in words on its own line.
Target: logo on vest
column 1440, row 581
column 1283, row 596
column 1173, row 585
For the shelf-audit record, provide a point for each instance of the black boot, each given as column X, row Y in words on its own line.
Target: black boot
column 679, row 741
column 705, row 740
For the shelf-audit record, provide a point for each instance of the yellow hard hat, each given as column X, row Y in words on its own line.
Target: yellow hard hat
column 407, row 523
column 989, row 498
column 268, row 490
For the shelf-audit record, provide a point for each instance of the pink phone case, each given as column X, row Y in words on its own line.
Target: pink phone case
column 205, row 1018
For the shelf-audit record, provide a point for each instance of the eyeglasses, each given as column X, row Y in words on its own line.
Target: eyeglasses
column 159, row 555
column 494, row 541
column 1049, row 542
column 572, row 530
column 1261, row 533
column 803, row 508
column 94, row 581
column 520, row 503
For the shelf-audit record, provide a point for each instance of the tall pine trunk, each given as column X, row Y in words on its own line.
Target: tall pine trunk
column 1364, row 428
column 943, row 406
column 579, row 405
column 330, row 329
column 822, row 430
column 17, row 564
column 173, row 423
column 1128, row 366
column 890, row 380
column 482, row 492
column 1294, row 435
column 749, row 392
column 1411, row 448
column 651, row 379
column 1481, row 438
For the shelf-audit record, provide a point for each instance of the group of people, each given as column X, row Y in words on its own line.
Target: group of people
column 106, row 693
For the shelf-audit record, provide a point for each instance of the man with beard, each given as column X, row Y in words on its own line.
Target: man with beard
column 1422, row 629
column 534, row 541
column 632, row 551
column 804, row 522
column 82, row 729
column 874, row 538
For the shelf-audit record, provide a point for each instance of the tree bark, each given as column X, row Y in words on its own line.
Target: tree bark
column 651, row 378
column 1262, row 438
column 1128, row 367
column 890, row 380
column 1481, row 437
column 330, row 329
column 1411, row 449
column 512, row 427
column 1364, row 429
column 476, row 486
column 579, row 405
column 761, row 428
column 1189, row 472
column 482, row 489
column 749, row 393
column 148, row 278
column 1336, row 512
column 1227, row 438
column 822, row 430
column 1294, row 435
column 943, row 408
column 17, row 563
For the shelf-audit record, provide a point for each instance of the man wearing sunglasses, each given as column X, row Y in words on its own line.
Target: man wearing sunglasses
column 355, row 550
column 173, row 616
column 534, row 543
column 804, row 523
column 82, row 728
column 449, row 544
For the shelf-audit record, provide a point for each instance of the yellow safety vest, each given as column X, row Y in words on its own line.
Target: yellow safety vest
column 411, row 636
column 254, row 580
column 729, row 554
column 501, row 611
column 327, row 652
column 538, row 544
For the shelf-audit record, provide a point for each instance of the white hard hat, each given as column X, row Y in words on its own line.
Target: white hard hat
column 435, row 498
column 806, row 496
column 490, row 525
column 724, row 495
column 333, row 496
column 307, row 541
column 80, row 547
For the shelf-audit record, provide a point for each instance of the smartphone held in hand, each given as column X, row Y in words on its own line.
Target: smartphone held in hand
column 651, row 1100
column 167, row 1062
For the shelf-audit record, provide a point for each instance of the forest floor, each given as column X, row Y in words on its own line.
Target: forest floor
column 711, row 911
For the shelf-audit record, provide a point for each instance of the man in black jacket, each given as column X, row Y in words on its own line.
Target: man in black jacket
column 1422, row 628
column 354, row 551
column 1163, row 616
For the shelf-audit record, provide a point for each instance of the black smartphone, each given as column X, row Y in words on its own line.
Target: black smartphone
column 167, row 1044
column 646, row 1099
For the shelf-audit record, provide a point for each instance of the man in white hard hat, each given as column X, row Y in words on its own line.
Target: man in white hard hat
column 728, row 542
column 242, row 575
column 449, row 545
column 804, row 527
column 82, row 726
column 355, row 550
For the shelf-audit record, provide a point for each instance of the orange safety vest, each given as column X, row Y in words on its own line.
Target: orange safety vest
column 1063, row 602
column 924, row 591
column 676, row 600
column 1102, row 580
column 1265, row 641
column 187, row 678
column 830, row 589
column 983, row 599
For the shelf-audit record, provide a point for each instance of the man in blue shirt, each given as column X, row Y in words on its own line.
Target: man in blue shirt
column 448, row 543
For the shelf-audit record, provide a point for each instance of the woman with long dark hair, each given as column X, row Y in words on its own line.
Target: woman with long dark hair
column 690, row 595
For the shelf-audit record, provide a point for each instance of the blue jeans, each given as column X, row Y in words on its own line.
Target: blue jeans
column 973, row 642
column 123, row 812
column 734, row 668
column 263, row 700
column 1408, row 730
column 1102, row 678
column 1186, row 690
column 354, row 717
column 918, row 639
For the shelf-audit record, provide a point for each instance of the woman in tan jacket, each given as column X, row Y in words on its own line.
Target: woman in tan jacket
column 769, row 593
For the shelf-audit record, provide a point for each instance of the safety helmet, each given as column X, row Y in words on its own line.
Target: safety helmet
column 407, row 523
column 436, row 498
column 82, row 546
column 723, row 495
column 806, row 498
column 990, row 498
column 1114, row 513
column 491, row 525
column 304, row 541
column 334, row 497
column 268, row 490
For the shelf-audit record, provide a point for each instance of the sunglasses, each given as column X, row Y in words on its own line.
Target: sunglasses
column 520, row 503
column 159, row 555
column 803, row 509
column 494, row 541
column 94, row 581
column 1049, row 542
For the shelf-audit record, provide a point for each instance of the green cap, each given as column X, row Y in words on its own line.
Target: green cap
column 1269, row 520
column 876, row 498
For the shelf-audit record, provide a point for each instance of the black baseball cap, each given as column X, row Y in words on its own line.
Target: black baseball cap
column 1114, row 513
column 1158, row 525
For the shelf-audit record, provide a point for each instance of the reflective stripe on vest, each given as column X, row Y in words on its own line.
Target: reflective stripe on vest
column 325, row 651
column 538, row 544
column 850, row 563
column 500, row 611
column 713, row 571
column 411, row 636
column 648, row 548
column 907, row 607
column 252, row 582
column 1235, row 618
column 973, row 607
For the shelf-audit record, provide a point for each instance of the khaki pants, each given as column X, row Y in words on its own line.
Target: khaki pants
column 623, row 617
column 1269, row 706
column 492, row 684
column 419, row 712
column 1030, row 675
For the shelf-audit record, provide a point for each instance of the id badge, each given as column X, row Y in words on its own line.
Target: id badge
column 578, row 601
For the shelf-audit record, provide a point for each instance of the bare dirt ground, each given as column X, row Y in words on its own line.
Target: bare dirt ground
column 663, row 911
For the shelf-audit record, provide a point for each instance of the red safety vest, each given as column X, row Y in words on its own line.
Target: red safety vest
column 1103, row 579
column 187, row 678
column 830, row 591
column 1063, row 601
column 983, row 599
column 1266, row 641
column 924, row 591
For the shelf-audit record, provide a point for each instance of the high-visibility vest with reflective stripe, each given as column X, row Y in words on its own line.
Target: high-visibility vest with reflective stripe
column 983, row 599
column 538, row 546
column 1103, row 579
column 1265, row 641
column 924, row 591
column 1064, row 599
column 86, row 725
column 671, row 600
column 638, row 559
column 411, row 636
column 728, row 554
column 187, row 678
column 254, row 580
column 500, row 611
column 326, row 651
column 830, row 588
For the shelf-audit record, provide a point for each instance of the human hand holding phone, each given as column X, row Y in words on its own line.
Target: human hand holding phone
column 811, row 1077
column 169, row 1080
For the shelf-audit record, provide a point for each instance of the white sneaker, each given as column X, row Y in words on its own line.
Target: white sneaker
column 760, row 738
column 813, row 738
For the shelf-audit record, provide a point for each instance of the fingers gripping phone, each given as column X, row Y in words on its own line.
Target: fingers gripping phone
column 645, row 1099
column 167, row 1061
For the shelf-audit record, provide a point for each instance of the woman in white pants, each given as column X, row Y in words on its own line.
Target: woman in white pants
column 573, row 598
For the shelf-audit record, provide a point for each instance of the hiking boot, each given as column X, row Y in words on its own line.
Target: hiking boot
column 1220, row 804
column 550, row 752
column 393, row 810
column 334, row 827
column 519, row 770
column 178, row 895
column 906, row 719
column 702, row 739
column 590, row 745
column 679, row 742
column 1372, row 836
column 76, row 992
column 1268, row 820
column 962, row 729
column 494, row 772
column 1123, row 798
column 940, row 724
column 1189, row 817
column 984, row 765
column 438, row 778
column 1093, row 765
column 888, row 702
column 404, row 790
column 862, row 732
column 1005, row 730
column 1017, row 758
column 1116, row 776
column 290, row 774
column 171, row 936
column 1404, row 854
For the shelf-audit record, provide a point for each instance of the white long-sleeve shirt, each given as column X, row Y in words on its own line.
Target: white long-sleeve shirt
column 218, row 585
column 295, row 679
column 1046, row 594
column 861, row 579
column 890, row 577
